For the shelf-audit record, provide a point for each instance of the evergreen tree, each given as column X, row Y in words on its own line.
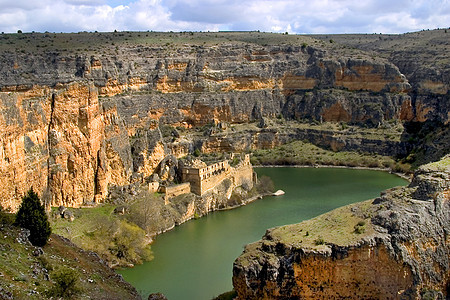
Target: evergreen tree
column 32, row 216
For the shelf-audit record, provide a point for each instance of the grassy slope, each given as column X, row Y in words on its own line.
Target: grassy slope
column 117, row 240
column 343, row 226
column 430, row 47
column 23, row 275
column 301, row 153
column 113, row 43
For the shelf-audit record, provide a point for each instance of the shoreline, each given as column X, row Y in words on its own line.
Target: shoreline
column 405, row 176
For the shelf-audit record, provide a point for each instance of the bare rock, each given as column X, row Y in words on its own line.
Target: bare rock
column 157, row 296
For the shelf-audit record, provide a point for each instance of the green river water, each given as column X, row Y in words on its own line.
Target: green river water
column 194, row 261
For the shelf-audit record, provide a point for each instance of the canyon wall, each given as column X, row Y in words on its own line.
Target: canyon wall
column 74, row 124
column 395, row 247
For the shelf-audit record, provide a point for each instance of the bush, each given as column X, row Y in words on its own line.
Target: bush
column 130, row 244
column 197, row 152
column 6, row 217
column 65, row 285
column 360, row 227
column 32, row 216
column 319, row 241
column 265, row 185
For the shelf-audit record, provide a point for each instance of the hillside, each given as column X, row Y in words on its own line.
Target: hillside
column 28, row 272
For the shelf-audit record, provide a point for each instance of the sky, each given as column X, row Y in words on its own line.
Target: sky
column 293, row 16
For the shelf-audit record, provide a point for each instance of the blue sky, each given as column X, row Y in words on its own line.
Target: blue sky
column 293, row 16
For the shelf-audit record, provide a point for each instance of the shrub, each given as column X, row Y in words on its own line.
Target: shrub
column 66, row 283
column 130, row 244
column 360, row 227
column 265, row 185
column 32, row 216
column 197, row 152
column 319, row 241
column 6, row 217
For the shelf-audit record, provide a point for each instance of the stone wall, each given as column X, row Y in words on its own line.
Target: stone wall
column 206, row 178
column 175, row 190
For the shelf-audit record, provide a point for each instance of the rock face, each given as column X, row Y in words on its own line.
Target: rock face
column 395, row 247
column 74, row 124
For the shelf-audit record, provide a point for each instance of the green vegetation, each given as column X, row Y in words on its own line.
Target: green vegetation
column 116, row 42
column 303, row 153
column 337, row 227
column 319, row 241
column 227, row 296
column 360, row 227
column 442, row 165
column 66, row 283
column 113, row 237
column 60, row 269
column 32, row 216
column 6, row 217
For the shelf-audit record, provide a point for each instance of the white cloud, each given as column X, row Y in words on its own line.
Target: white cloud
column 294, row 16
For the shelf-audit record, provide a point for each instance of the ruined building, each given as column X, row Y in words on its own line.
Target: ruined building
column 205, row 178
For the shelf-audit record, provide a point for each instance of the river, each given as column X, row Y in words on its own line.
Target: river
column 194, row 261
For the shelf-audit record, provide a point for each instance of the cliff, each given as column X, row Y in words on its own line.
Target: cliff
column 81, row 113
column 395, row 247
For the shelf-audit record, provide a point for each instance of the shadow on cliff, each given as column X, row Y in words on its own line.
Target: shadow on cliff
column 426, row 141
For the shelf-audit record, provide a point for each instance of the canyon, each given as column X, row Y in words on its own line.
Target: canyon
column 77, row 122
column 87, row 118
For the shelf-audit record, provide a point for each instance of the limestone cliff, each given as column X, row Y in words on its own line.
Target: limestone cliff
column 77, row 121
column 394, row 247
column 422, row 57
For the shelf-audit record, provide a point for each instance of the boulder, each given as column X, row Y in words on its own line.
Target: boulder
column 68, row 215
column 157, row 296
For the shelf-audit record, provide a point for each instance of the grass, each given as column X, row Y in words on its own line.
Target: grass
column 160, row 43
column 336, row 227
column 113, row 237
column 27, row 275
column 442, row 165
column 85, row 221
column 303, row 153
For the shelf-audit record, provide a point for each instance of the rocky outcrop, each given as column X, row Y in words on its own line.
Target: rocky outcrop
column 395, row 247
column 424, row 63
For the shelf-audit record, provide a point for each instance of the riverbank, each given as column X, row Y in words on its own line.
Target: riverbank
column 299, row 153
column 148, row 215
column 405, row 175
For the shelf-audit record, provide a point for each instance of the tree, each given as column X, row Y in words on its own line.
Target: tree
column 32, row 216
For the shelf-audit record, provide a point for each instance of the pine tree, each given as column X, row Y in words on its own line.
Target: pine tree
column 32, row 216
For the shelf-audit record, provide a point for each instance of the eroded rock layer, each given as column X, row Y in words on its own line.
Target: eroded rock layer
column 394, row 247
column 74, row 123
